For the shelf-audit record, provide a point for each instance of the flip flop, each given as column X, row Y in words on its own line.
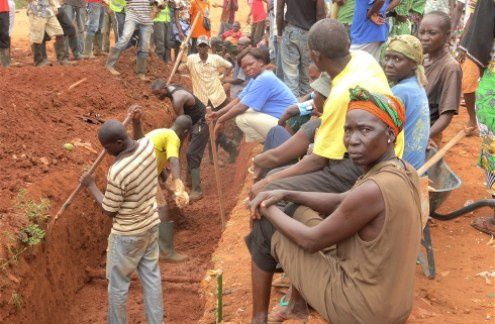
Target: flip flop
column 481, row 224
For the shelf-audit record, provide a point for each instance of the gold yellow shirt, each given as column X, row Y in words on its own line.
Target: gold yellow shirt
column 205, row 77
column 362, row 70
column 167, row 145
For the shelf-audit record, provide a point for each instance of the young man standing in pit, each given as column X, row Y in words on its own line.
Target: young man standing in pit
column 205, row 69
column 167, row 145
column 130, row 200
column 185, row 103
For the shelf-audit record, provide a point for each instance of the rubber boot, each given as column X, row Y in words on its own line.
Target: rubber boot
column 88, row 46
column 141, row 66
column 98, row 44
column 5, row 57
column 166, row 243
column 113, row 57
column 73, row 45
column 62, row 55
column 196, row 193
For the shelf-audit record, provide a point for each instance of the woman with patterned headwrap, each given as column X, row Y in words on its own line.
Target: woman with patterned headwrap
column 403, row 66
column 323, row 258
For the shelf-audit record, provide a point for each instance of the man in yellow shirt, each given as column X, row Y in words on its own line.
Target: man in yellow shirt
column 328, row 168
column 167, row 145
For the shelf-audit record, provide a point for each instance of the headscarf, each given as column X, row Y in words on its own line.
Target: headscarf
column 410, row 47
column 388, row 109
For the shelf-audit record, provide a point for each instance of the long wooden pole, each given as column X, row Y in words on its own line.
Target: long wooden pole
column 435, row 158
column 182, row 48
column 74, row 193
column 217, row 174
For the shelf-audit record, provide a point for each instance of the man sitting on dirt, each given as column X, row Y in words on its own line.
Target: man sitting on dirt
column 377, row 221
column 167, row 145
column 185, row 103
column 130, row 200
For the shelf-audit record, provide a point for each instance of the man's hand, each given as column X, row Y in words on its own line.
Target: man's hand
column 181, row 199
column 264, row 200
column 135, row 111
column 291, row 111
column 377, row 19
column 211, row 116
column 257, row 187
column 87, row 179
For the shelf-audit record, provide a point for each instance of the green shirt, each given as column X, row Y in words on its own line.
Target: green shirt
column 346, row 12
column 163, row 16
column 117, row 5
column 419, row 6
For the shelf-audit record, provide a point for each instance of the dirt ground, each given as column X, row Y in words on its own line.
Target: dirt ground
column 39, row 114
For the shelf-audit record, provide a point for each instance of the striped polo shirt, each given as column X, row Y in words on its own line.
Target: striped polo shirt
column 139, row 11
column 131, row 191
column 205, row 77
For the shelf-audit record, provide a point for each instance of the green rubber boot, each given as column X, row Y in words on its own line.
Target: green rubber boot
column 166, row 243
column 5, row 57
column 88, row 46
column 113, row 57
column 196, row 193
column 141, row 67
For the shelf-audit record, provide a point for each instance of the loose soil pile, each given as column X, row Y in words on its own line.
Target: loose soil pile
column 38, row 115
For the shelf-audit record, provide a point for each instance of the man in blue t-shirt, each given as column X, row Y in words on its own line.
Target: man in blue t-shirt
column 369, row 28
column 261, row 103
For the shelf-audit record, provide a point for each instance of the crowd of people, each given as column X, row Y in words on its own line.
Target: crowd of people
column 346, row 97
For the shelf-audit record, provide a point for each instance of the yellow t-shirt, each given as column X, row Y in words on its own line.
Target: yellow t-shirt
column 167, row 145
column 362, row 70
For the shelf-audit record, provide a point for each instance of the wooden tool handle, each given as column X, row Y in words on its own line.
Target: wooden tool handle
column 440, row 154
column 96, row 163
column 182, row 48
column 217, row 174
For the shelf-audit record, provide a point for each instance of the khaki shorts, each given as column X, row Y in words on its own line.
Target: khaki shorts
column 38, row 26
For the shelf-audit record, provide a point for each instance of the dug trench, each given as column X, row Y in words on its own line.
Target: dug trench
column 55, row 281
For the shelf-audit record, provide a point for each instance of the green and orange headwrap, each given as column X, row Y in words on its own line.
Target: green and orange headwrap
column 388, row 109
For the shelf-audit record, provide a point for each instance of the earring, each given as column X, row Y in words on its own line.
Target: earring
column 389, row 141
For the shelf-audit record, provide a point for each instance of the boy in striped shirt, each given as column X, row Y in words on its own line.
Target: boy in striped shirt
column 130, row 199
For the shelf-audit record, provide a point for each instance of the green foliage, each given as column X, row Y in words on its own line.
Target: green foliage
column 16, row 300
column 19, row 4
column 36, row 212
column 32, row 235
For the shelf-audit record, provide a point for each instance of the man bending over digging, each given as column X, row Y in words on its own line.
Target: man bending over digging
column 357, row 265
column 130, row 200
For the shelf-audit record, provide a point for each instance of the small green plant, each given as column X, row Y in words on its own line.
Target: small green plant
column 36, row 212
column 32, row 235
column 16, row 300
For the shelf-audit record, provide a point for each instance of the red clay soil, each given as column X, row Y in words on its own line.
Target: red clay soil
column 38, row 115
column 456, row 295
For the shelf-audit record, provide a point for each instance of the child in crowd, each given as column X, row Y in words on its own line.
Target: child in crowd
column 442, row 71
